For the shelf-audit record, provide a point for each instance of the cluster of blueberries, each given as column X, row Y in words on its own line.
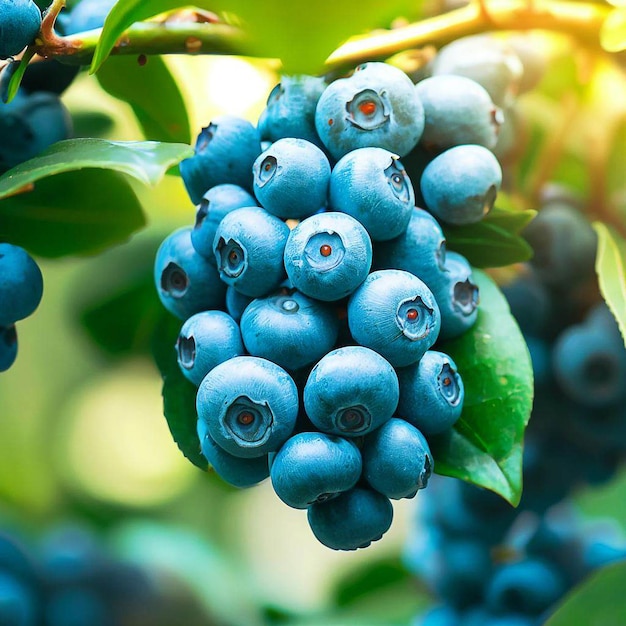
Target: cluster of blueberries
column 313, row 290
column 36, row 118
column 67, row 578
column 21, row 288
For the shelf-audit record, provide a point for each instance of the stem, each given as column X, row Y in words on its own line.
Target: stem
column 578, row 19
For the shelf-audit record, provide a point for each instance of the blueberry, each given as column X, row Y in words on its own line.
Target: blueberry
column 457, row 296
column 530, row 304
column 29, row 124
column 420, row 249
column 207, row 339
column 431, row 393
column 236, row 471
column 214, row 205
column 20, row 21
column 314, row 467
column 249, row 246
column 397, row 461
column 461, row 184
column 457, row 111
column 527, row 586
column 352, row 520
column 236, row 303
column 224, row 153
column 327, row 256
column 351, row 391
column 88, row 15
column 377, row 106
column 441, row 615
column 370, row 184
column 487, row 60
column 289, row 329
column 290, row 110
column 249, row 404
column 394, row 313
column 8, row 347
column 186, row 282
column 21, row 284
column 291, row 178
column 589, row 363
column 18, row 605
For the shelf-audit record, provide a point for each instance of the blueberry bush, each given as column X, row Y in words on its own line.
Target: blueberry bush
column 379, row 264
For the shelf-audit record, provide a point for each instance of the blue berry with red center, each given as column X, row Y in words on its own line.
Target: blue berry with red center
column 394, row 313
column 21, row 284
column 290, row 109
column 458, row 297
column 289, row 329
column 370, row 184
column 375, row 107
column 461, row 184
column 186, row 282
column 234, row 470
column 327, row 256
column 20, row 21
column 397, row 461
column 8, row 347
column 431, row 393
column 215, row 204
column 207, row 339
column 224, row 153
column 352, row 520
column 351, row 391
column 420, row 249
column 249, row 246
column 291, row 178
column 314, row 467
column 250, row 406
column 457, row 111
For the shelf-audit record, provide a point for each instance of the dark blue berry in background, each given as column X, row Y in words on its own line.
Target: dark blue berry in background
column 207, row 339
column 186, row 282
column 370, row 184
column 249, row 246
column 236, row 471
column 214, row 205
column 289, row 329
column 327, row 256
column 249, row 405
column 394, row 313
column 397, row 461
column 351, row 391
column 290, row 110
column 8, row 347
column 224, row 153
column 375, row 107
column 352, row 520
column 461, row 184
column 18, row 604
column 20, row 21
column 291, row 178
column 457, row 111
column 457, row 296
column 431, row 393
column 21, row 284
column 314, row 467
column 87, row 15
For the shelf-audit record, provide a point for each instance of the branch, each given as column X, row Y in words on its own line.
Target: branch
column 580, row 20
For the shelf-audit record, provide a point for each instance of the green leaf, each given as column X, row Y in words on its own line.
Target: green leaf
column 485, row 446
column 179, row 395
column 611, row 270
column 152, row 92
column 147, row 161
column 613, row 31
column 301, row 33
column 599, row 601
column 494, row 241
column 72, row 213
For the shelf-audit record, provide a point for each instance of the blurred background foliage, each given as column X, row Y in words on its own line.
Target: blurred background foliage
column 82, row 436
